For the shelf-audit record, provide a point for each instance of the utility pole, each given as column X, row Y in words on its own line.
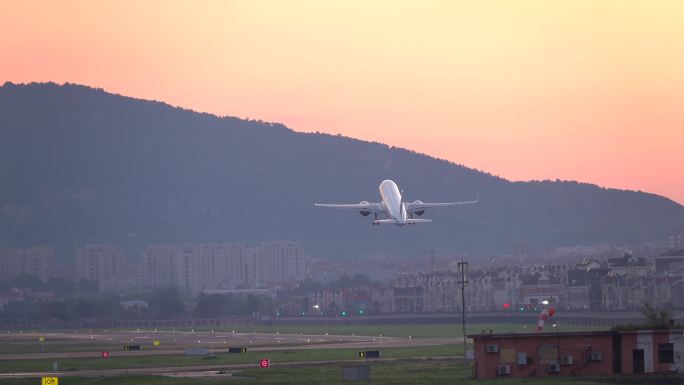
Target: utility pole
column 463, row 267
column 432, row 260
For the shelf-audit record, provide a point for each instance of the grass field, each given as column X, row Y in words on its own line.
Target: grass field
column 429, row 373
column 24, row 346
column 15, row 343
column 407, row 374
column 12, row 366
column 426, row 368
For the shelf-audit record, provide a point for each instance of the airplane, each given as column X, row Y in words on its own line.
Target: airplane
column 392, row 206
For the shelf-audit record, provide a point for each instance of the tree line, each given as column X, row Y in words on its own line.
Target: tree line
column 166, row 303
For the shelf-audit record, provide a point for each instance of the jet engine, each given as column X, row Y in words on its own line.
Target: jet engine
column 363, row 212
column 421, row 211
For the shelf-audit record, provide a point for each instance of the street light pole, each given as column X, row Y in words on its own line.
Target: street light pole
column 463, row 266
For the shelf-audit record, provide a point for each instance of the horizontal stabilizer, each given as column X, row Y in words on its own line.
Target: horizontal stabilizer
column 393, row 222
column 412, row 221
column 384, row 221
column 375, row 207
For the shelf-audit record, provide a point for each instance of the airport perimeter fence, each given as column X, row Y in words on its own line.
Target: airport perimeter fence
column 599, row 319
column 131, row 324
column 612, row 318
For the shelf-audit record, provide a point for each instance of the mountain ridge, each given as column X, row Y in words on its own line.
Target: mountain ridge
column 86, row 165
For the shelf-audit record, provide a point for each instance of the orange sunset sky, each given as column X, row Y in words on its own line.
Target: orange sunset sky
column 583, row 90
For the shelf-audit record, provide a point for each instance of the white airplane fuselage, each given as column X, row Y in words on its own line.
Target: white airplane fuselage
column 392, row 207
column 392, row 202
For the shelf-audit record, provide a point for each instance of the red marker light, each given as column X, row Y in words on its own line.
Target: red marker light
column 105, row 354
column 552, row 311
column 265, row 363
column 507, row 305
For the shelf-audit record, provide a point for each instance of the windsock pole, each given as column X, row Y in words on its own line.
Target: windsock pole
column 545, row 314
column 542, row 319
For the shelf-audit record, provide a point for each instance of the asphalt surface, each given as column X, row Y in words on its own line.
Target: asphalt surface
column 172, row 342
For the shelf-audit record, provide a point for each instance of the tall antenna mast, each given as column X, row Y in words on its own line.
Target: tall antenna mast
column 432, row 260
column 463, row 267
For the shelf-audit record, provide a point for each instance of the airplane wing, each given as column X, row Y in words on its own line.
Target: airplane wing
column 410, row 221
column 416, row 206
column 374, row 207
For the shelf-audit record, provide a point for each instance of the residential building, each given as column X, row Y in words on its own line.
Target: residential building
column 100, row 262
column 670, row 261
column 35, row 261
column 279, row 262
column 160, row 265
column 629, row 265
column 196, row 267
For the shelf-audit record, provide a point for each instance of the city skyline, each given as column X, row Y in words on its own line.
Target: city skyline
column 526, row 90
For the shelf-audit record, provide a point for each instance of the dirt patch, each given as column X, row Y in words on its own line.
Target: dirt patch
column 205, row 374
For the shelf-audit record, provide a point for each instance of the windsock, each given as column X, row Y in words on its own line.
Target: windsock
column 545, row 314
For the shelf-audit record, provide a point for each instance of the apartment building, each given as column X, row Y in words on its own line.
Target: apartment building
column 100, row 262
column 36, row 261
column 197, row 267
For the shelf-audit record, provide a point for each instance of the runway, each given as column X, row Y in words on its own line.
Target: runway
column 92, row 344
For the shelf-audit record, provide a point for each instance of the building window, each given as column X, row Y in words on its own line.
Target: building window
column 666, row 353
column 548, row 354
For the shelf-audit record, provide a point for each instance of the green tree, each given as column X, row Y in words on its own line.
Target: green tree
column 660, row 319
column 84, row 309
column 655, row 319
column 54, row 310
column 61, row 286
column 251, row 304
column 210, row 305
column 167, row 303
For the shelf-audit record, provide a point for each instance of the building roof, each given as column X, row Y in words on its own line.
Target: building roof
column 674, row 253
column 534, row 279
column 569, row 334
column 400, row 291
column 627, row 260
column 579, row 278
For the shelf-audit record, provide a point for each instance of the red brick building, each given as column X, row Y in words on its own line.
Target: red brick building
column 578, row 353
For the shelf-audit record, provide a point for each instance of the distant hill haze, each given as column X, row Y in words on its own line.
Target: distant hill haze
column 81, row 165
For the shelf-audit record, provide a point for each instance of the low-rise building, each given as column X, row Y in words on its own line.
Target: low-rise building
column 577, row 353
column 670, row 261
column 540, row 287
column 630, row 265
